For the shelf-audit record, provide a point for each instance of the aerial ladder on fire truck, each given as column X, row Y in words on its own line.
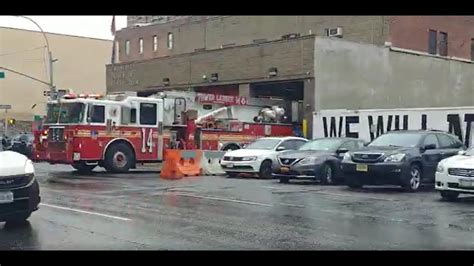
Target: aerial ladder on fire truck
column 118, row 131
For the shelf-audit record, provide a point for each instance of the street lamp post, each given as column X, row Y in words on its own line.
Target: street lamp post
column 52, row 88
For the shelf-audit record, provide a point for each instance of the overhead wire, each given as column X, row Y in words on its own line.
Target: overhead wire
column 23, row 51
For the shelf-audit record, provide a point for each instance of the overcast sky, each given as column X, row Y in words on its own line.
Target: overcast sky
column 87, row 26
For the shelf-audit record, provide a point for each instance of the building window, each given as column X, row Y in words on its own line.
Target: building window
column 117, row 51
column 472, row 49
column 432, row 42
column 155, row 43
column 170, row 40
column 140, row 45
column 443, row 44
column 127, row 47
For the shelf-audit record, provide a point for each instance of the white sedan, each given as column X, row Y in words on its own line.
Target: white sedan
column 455, row 175
column 19, row 189
column 259, row 157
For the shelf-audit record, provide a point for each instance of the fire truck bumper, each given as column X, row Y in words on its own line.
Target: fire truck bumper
column 52, row 157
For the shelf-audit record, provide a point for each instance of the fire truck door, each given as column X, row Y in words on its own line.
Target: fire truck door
column 160, row 144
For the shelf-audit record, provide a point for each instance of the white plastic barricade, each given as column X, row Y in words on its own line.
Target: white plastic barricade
column 210, row 162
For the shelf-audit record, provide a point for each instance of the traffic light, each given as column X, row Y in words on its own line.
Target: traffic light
column 11, row 121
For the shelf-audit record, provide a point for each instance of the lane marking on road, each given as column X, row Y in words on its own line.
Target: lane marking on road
column 223, row 199
column 292, row 205
column 85, row 212
column 270, row 187
column 238, row 201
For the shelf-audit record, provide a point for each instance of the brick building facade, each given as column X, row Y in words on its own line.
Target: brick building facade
column 173, row 35
column 197, row 33
column 243, row 50
column 413, row 32
column 238, row 64
column 137, row 20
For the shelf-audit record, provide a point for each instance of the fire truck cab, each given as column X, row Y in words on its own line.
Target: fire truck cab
column 120, row 130
column 86, row 131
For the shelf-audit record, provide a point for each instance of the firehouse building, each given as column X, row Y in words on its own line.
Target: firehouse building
column 274, row 56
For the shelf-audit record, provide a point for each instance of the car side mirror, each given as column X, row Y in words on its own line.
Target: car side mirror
column 281, row 148
column 342, row 150
column 461, row 152
column 429, row 147
column 366, row 144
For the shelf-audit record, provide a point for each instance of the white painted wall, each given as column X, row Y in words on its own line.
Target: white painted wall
column 356, row 123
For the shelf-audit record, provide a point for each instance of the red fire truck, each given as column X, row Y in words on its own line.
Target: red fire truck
column 121, row 130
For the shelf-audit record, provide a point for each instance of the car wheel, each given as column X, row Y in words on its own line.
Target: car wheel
column 19, row 218
column 413, row 182
column 265, row 170
column 449, row 195
column 353, row 183
column 284, row 180
column 327, row 174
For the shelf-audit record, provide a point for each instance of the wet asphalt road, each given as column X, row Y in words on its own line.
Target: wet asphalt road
column 140, row 211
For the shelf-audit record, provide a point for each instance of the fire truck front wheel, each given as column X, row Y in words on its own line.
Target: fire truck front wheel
column 119, row 158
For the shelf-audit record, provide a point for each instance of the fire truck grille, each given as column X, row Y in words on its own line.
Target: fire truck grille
column 56, row 134
column 58, row 146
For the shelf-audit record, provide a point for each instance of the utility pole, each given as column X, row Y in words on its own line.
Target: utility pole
column 52, row 88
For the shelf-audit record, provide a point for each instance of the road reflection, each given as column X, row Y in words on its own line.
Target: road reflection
column 18, row 236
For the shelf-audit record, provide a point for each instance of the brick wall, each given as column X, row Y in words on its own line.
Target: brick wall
column 293, row 58
column 199, row 32
column 411, row 32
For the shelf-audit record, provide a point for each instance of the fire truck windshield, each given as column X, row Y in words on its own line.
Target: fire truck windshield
column 65, row 113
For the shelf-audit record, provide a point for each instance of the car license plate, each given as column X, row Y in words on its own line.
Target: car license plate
column 6, row 197
column 284, row 169
column 362, row 168
column 230, row 165
column 466, row 183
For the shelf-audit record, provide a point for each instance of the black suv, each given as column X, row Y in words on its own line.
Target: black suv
column 405, row 158
column 23, row 143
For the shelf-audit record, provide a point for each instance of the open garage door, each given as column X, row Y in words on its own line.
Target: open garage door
column 292, row 92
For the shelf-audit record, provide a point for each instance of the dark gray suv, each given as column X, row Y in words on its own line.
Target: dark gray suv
column 404, row 158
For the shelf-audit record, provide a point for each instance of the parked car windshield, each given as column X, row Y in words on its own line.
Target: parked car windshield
column 397, row 140
column 263, row 144
column 321, row 144
column 68, row 113
column 23, row 138
column 16, row 138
